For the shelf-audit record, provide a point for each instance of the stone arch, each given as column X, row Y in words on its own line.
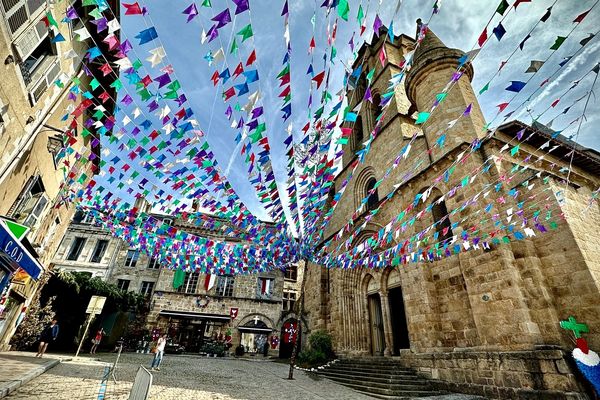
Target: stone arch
column 260, row 316
column 360, row 184
column 358, row 133
column 369, row 284
column 389, row 273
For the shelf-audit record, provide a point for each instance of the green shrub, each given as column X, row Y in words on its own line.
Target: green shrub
column 320, row 341
column 319, row 351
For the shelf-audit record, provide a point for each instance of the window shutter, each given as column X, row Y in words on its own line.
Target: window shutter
column 32, row 37
column 22, row 196
column 50, row 75
column 33, row 210
column 19, row 12
column 16, row 15
column 35, row 5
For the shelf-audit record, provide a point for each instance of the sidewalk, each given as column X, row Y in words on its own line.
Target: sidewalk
column 17, row 368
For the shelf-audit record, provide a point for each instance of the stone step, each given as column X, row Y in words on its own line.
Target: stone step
column 369, row 384
column 386, row 397
column 373, row 377
column 393, row 392
column 369, row 368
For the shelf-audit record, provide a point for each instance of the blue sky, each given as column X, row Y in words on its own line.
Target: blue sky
column 458, row 24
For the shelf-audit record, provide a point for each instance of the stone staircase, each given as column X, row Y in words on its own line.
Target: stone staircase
column 379, row 378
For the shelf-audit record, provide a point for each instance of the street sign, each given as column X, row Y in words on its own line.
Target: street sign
column 18, row 230
column 96, row 304
column 15, row 255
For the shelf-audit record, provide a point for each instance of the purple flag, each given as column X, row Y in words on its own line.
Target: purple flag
column 163, row 80
column 191, row 11
column 222, row 19
column 377, row 25
column 242, row 5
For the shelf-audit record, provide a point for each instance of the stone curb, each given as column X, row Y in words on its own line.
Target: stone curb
column 9, row 387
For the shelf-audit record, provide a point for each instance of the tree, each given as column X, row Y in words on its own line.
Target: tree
column 36, row 319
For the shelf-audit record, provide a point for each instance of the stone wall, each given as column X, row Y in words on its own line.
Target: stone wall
column 539, row 375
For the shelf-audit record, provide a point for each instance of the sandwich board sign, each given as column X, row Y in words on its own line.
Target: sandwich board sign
column 95, row 305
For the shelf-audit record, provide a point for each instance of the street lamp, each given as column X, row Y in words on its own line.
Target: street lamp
column 55, row 144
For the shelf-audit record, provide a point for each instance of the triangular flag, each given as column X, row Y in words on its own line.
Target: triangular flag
column 516, row 86
column 535, row 66
column 559, row 41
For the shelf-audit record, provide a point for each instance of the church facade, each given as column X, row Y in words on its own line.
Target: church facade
column 484, row 321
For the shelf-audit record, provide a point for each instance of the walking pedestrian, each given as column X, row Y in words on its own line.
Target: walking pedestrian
column 48, row 335
column 159, row 352
column 96, row 340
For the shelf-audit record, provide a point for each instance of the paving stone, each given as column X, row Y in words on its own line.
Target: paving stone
column 184, row 377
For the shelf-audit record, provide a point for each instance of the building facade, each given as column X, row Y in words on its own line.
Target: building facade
column 484, row 321
column 249, row 310
column 87, row 248
column 42, row 77
column 256, row 311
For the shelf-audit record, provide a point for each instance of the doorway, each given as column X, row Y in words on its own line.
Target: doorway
column 289, row 335
column 399, row 324
column 376, row 321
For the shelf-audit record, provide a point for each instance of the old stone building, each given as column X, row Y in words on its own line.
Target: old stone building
column 484, row 321
column 250, row 310
column 87, row 247
column 42, row 77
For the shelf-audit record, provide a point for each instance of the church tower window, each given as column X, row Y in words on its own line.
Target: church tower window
column 374, row 197
column 443, row 226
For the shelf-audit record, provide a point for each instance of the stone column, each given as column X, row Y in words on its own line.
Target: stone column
column 365, row 324
column 387, row 323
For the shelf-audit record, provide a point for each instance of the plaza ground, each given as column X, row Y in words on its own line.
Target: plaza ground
column 181, row 377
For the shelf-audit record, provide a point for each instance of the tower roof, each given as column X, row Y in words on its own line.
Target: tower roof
column 429, row 43
column 429, row 55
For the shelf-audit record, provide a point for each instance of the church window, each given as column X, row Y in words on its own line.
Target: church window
column 373, row 199
column 359, row 135
column 443, row 226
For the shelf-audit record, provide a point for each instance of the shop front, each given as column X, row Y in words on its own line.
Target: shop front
column 193, row 331
column 15, row 253
column 18, row 271
column 255, row 336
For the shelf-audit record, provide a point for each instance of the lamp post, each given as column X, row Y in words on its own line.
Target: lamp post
column 55, row 144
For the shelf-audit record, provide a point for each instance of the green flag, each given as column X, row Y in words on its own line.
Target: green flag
column 559, row 41
column 178, row 278
column 234, row 47
column 343, row 9
column 485, row 88
column 246, row 32
column 502, row 7
column 360, row 15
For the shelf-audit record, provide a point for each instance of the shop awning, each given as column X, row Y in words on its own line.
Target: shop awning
column 194, row 315
column 251, row 329
column 14, row 254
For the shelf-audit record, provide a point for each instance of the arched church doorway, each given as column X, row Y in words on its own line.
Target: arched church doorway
column 397, row 314
column 371, row 288
column 289, row 335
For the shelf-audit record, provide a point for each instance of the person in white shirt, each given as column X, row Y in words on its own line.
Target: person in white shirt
column 158, row 354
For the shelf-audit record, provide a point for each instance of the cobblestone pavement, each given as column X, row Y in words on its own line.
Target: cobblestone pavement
column 185, row 377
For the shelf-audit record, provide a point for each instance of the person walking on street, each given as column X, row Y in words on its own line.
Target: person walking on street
column 48, row 335
column 96, row 340
column 159, row 352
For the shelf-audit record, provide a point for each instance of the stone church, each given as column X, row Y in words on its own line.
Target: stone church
column 484, row 321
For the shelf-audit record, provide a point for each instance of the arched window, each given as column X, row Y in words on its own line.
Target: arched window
column 374, row 197
column 330, row 196
column 440, row 211
column 358, row 133
column 376, row 107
